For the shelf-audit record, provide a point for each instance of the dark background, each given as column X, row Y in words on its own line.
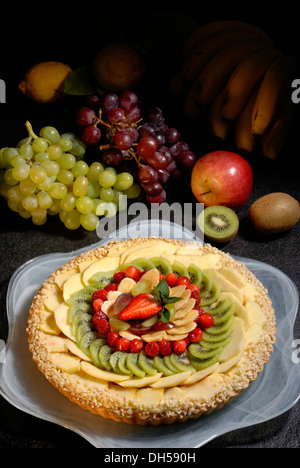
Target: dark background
column 58, row 32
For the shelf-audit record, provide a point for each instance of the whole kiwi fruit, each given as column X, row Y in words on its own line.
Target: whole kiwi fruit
column 274, row 213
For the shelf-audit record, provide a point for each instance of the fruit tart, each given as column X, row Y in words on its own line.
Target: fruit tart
column 151, row 330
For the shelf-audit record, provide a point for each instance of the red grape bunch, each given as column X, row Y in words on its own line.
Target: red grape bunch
column 114, row 123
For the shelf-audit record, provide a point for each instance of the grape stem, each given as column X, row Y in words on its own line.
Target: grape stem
column 134, row 156
column 31, row 134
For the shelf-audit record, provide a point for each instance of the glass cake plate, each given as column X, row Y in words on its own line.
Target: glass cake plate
column 274, row 392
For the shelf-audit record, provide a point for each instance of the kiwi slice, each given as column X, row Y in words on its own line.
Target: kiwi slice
column 114, row 361
column 181, row 362
column 209, row 296
column 79, row 319
column 84, row 295
column 132, row 364
column 86, row 340
column 220, row 223
column 168, row 363
column 216, row 337
column 81, row 330
column 195, row 274
column 143, row 264
column 210, row 345
column 146, row 364
column 104, row 356
column 162, row 265
column 103, row 277
column 122, row 364
column 179, row 268
column 160, row 365
column 94, row 350
column 81, row 307
column 199, row 352
column 224, row 316
column 200, row 364
column 221, row 328
column 218, row 307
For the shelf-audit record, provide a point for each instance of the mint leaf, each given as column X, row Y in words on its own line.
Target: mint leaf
column 165, row 315
column 79, row 82
column 163, row 289
column 173, row 299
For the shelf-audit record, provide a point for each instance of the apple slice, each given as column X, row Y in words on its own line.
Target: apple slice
column 74, row 349
column 171, row 380
column 237, row 343
column 104, row 264
column 61, row 278
column 240, row 310
column 138, row 383
column 101, row 374
column 224, row 284
column 201, row 374
column 151, row 248
column 65, row 362
column 56, row 344
column 254, row 334
column 72, row 285
column 48, row 324
column 53, row 298
column 256, row 315
column 225, row 366
column 233, row 276
column 61, row 319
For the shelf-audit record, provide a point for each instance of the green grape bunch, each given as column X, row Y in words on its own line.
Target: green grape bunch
column 46, row 174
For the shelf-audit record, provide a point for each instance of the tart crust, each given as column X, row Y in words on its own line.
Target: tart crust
column 146, row 405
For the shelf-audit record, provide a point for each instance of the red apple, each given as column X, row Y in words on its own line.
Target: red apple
column 222, row 178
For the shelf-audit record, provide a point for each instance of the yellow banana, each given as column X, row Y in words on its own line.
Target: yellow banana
column 274, row 140
column 217, row 71
column 190, row 107
column 273, row 86
column 216, row 26
column 208, row 47
column 244, row 79
column 176, row 84
column 217, row 125
column 244, row 139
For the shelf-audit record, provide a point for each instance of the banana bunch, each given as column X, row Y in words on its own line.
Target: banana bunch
column 231, row 72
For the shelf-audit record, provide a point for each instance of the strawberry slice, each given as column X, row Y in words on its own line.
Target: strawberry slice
column 142, row 306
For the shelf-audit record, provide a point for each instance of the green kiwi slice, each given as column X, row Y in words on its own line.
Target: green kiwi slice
column 104, row 356
column 160, row 365
column 146, row 364
column 79, row 319
column 86, row 340
column 181, row 362
column 218, row 307
column 94, row 350
column 122, row 364
column 132, row 364
column 103, row 277
column 84, row 295
column 143, row 264
column 209, row 296
column 162, row 265
column 224, row 316
column 199, row 352
column 211, row 345
column 195, row 274
column 200, row 364
column 220, row 223
column 179, row 269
